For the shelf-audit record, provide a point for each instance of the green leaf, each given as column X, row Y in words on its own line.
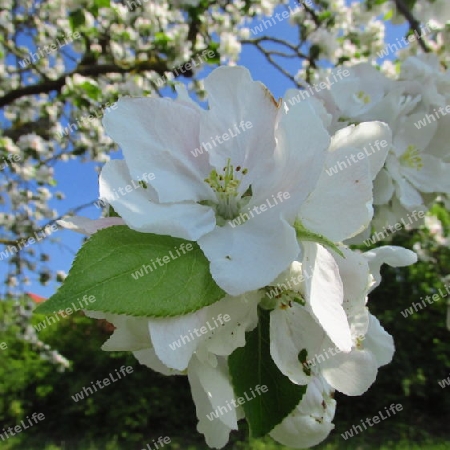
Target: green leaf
column 92, row 90
column 76, row 19
column 110, row 266
column 102, row 3
column 252, row 365
column 305, row 235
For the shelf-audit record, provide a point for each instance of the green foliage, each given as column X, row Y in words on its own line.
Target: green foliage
column 105, row 268
column 251, row 366
column 145, row 405
column 133, row 409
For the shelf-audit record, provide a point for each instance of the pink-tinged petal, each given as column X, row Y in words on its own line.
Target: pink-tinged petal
column 88, row 226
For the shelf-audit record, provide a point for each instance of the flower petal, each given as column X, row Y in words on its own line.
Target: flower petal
column 292, row 330
column 188, row 221
column 88, row 226
column 350, row 373
column 157, row 136
column 348, row 190
column 234, row 98
column 388, row 254
column 239, row 256
column 211, row 388
column 325, row 294
column 379, row 342
column 310, row 423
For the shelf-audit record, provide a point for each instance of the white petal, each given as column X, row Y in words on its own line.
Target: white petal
column 157, row 136
column 302, row 143
column 175, row 339
column 325, row 294
column 240, row 256
column 234, row 98
column 148, row 358
column 374, row 139
column 229, row 332
column 188, row 221
column 350, row 373
column 291, row 330
column 211, row 388
column 434, row 176
column 355, row 275
column 383, row 188
column 131, row 334
column 348, row 190
column 310, row 423
column 379, row 342
column 388, row 254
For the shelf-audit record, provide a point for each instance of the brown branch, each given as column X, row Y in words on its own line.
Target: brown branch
column 414, row 24
column 56, row 85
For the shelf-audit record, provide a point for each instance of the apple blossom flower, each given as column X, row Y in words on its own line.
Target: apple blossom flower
column 195, row 195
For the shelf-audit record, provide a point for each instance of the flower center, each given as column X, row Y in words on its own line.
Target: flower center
column 226, row 185
column 411, row 158
column 365, row 98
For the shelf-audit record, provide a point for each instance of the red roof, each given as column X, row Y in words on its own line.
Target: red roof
column 36, row 298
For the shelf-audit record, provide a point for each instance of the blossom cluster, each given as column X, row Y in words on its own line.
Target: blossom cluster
column 196, row 198
column 415, row 171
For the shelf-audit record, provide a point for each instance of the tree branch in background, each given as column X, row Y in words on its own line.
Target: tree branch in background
column 414, row 24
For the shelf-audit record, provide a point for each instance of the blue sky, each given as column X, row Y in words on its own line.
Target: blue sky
column 79, row 180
